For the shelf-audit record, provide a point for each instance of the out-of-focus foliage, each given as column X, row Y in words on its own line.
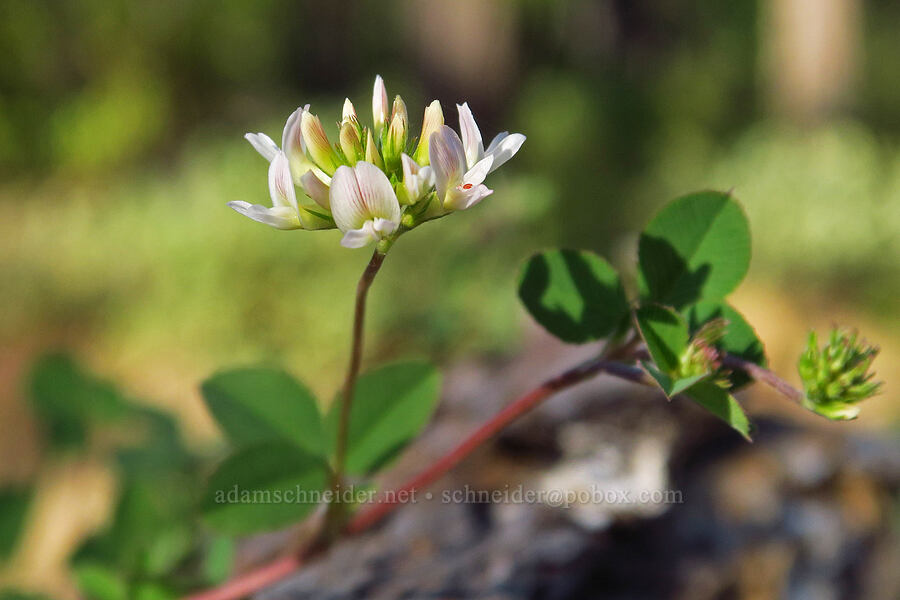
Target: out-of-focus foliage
column 277, row 476
column 153, row 543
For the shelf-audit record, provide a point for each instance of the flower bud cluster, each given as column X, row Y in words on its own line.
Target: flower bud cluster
column 837, row 376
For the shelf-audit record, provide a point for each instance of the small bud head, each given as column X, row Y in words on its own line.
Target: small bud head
column 351, row 145
column 434, row 118
column 379, row 105
column 348, row 111
column 317, row 144
column 372, row 154
column 399, row 108
column 701, row 356
column 396, row 138
column 837, row 376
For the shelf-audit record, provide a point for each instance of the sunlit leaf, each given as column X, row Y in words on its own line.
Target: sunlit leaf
column 670, row 386
column 697, row 247
column 575, row 295
column 722, row 404
column 666, row 334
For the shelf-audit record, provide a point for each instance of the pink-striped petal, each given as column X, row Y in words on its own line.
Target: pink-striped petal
column 281, row 184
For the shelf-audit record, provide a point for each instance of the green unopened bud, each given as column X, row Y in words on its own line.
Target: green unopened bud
column 396, row 138
column 351, row 145
column 837, row 376
column 317, row 144
column 372, row 154
column 434, row 118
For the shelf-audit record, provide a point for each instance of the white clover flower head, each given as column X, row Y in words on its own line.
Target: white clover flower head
column 375, row 182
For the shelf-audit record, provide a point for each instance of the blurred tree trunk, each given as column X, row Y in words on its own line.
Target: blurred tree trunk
column 811, row 55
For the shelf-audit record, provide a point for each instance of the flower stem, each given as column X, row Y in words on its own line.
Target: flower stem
column 759, row 373
column 335, row 513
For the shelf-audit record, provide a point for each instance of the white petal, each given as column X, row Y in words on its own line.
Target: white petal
column 505, row 149
column 384, row 227
column 410, row 167
column 478, row 193
column 497, row 139
column 280, row 217
column 293, row 145
column 377, row 192
column 461, row 198
column 477, row 173
column 315, row 189
column 380, row 105
column 281, row 184
column 345, row 200
column 357, row 238
column 410, row 178
column 447, row 158
column 426, row 177
column 263, row 144
column 361, row 193
column 291, row 137
column 471, row 136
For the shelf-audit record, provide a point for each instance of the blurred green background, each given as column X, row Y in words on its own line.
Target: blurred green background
column 120, row 143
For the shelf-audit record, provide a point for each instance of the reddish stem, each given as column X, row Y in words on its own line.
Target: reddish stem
column 766, row 376
column 389, row 501
column 253, row 581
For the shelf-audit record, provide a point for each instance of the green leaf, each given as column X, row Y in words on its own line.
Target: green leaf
column 577, row 296
column 218, row 560
column 697, row 247
column 740, row 339
column 14, row 503
column 166, row 549
column 68, row 400
column 255, row 405
column 152, row 591
column 155, row 446
column 150, row 530
column 672, row 387
column 722, row 404
column 97, row 582
column 263, row 488
column 666, row 334
column 390, row 407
